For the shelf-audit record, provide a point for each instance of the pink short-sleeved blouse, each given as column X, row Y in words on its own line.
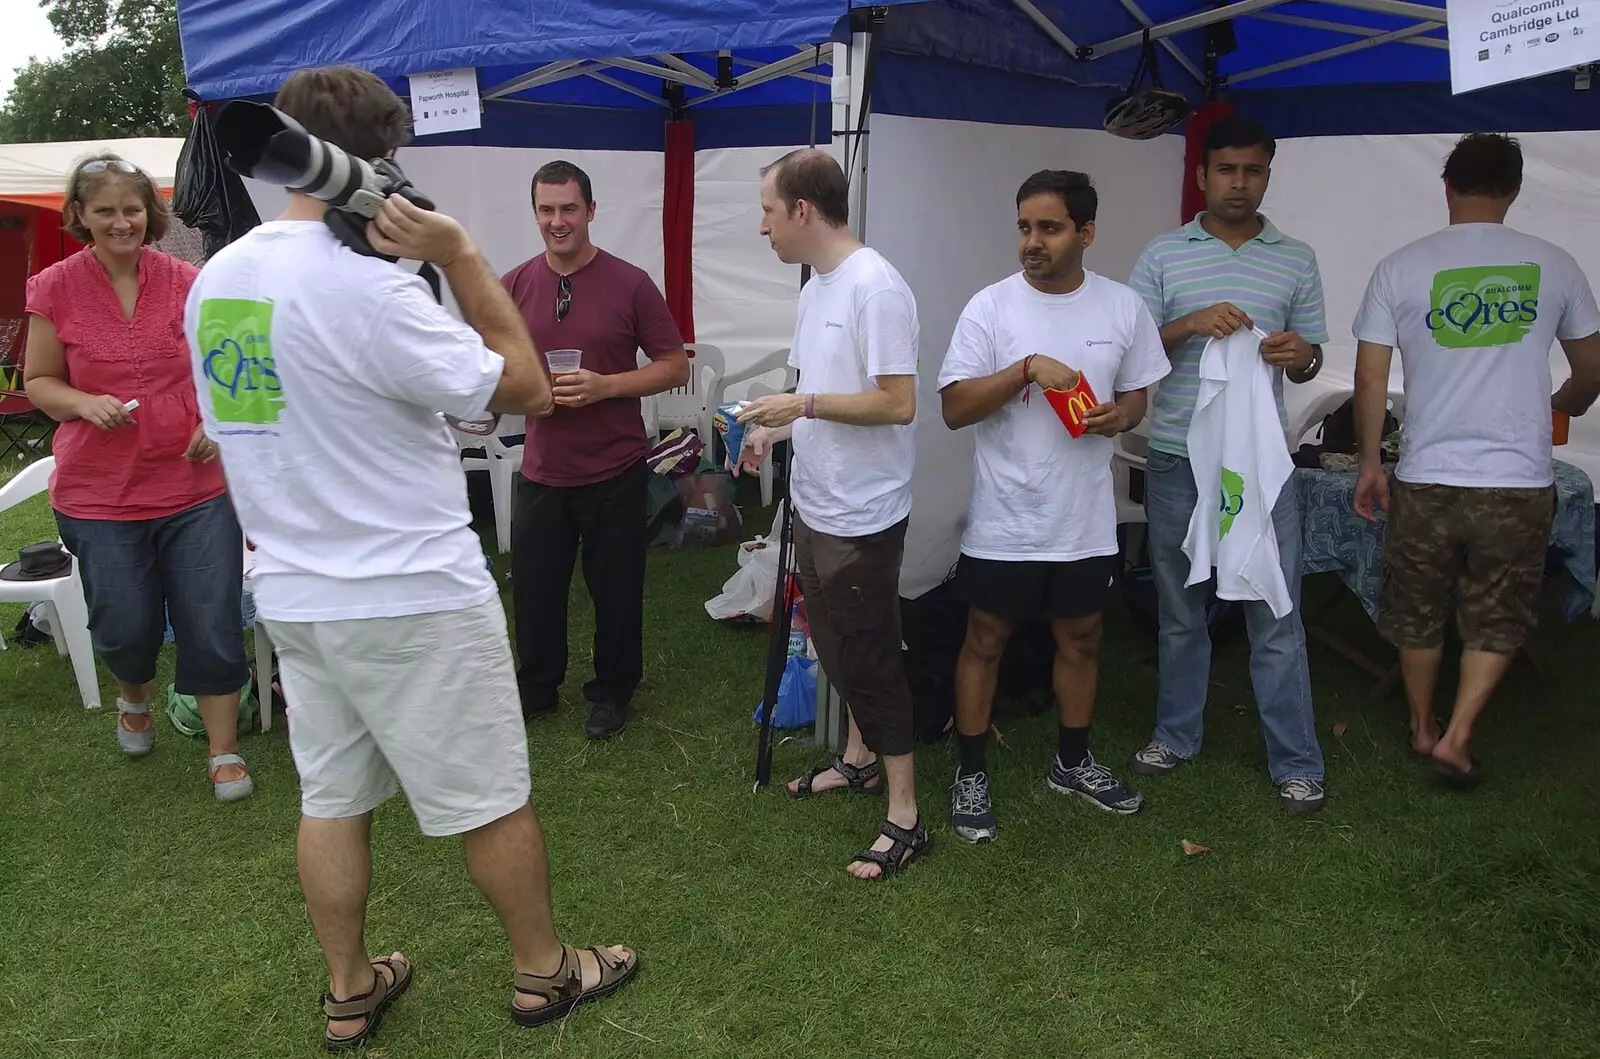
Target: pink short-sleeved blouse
column 138, row 471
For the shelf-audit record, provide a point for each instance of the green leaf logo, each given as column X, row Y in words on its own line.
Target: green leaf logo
column 1232, row 500
column 1473, row 308
column 236, row 336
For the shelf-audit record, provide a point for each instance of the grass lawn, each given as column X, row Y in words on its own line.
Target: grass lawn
column 138, row 918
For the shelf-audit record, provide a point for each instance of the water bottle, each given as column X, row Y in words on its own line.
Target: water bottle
column 797, row 632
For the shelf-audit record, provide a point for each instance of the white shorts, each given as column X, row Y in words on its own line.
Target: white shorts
column 429, row 701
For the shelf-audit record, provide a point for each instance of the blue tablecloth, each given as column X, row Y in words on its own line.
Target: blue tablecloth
column 1335, row 538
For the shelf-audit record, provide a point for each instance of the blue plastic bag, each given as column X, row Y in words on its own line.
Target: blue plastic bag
column 797, row 695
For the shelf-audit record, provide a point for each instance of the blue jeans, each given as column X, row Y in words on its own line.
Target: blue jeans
column 1278, row 666
column 188, row 567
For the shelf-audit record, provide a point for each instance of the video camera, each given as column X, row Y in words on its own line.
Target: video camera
column 262, row 142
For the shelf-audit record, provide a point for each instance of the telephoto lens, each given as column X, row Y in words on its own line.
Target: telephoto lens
column 263, row 143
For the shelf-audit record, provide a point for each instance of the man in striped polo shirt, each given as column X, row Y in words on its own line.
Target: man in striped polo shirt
column 1228, row 268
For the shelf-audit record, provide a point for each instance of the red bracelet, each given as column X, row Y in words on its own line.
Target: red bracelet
column 811, row 406
column 1027, row 377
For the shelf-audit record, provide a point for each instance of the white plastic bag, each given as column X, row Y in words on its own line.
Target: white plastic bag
column 748, row 594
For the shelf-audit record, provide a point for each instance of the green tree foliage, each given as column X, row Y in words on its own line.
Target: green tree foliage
column 122, row 75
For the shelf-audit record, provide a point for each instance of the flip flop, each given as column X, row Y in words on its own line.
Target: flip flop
column 1418, row 755
column 1461, row 779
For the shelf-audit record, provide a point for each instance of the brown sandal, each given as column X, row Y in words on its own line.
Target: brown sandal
column 563, row 990
column 370, row 1005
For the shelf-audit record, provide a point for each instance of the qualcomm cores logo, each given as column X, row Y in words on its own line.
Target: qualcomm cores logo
column 1494, row 305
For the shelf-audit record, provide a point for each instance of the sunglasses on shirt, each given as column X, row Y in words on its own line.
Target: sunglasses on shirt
column 563, row 298
column 100, row 165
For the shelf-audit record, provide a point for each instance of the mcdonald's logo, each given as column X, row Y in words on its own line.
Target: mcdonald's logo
column 1078, row 405
column 1073, row 406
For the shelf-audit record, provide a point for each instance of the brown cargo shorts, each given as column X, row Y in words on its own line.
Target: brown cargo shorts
column 1480, row 550
column 852, row 592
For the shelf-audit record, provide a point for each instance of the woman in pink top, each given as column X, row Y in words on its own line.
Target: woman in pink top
column 138, row 495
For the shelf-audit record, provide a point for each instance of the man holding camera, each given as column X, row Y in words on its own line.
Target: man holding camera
column 855, row 347
column 584, row 480
column 390, row 633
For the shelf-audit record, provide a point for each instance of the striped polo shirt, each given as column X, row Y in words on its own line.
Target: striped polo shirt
column 1273, row 278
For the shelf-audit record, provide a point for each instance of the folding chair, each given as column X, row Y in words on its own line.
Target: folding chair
column 24, row 430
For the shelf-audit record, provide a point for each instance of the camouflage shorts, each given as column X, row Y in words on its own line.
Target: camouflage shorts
column 1481, row 551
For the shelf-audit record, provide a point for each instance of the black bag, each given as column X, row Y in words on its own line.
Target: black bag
column 933, row 627
column 1338, row 435
column 208, row 196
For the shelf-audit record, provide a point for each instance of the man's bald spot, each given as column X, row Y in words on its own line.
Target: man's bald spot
column 813, row 175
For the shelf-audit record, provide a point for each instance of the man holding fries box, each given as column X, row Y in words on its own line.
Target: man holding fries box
column 1028, row 357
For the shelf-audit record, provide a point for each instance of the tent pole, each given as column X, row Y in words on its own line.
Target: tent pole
column 782, row 619
column 1394, row 36
column 852, row 97
column 1163, row 30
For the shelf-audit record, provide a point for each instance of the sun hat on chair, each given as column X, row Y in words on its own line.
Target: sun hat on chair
column 38, row 562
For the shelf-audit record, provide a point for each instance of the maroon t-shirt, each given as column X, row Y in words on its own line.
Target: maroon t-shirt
column 616, row 311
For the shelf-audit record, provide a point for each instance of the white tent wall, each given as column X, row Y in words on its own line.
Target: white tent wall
column 744, row 297
column 1356, row 199
column 940, row 198
column 941, row 206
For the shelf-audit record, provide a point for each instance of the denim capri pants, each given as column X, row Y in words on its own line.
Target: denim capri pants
column 187, row 567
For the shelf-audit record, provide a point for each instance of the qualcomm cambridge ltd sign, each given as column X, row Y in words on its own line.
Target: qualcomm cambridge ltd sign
column 1495, row 41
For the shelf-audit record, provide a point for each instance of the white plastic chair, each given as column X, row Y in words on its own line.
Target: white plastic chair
column 1127, row 455
column 501, row 461
column 68, row 614
column 777, row 360
column 693, row 405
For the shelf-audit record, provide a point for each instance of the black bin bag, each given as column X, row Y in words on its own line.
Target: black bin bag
column 208, row 196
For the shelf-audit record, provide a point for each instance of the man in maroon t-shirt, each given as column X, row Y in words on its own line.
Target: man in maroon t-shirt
column 584, row 479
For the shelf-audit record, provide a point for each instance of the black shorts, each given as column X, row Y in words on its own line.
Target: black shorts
column 1022, row 591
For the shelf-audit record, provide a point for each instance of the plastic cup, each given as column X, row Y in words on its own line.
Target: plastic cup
column 1561, row 425
column 564, row 361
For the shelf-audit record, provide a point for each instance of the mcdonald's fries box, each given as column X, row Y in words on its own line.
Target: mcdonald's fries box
column 1073, row 405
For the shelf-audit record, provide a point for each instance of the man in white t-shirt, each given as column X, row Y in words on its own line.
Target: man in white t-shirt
column 852, row 428
column 1474, row 309
column 1041, row 536
column 321, row 375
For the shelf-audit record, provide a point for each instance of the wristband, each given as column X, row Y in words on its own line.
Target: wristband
column 1027, row 377
column 811, row 406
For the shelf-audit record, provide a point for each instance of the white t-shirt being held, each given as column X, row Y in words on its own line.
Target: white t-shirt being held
column 321, row 375
column 1474, row 310
column 1039, row 493
column 856, row 323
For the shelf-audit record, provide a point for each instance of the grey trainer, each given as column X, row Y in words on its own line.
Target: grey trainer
column 1301, row 795
column 1095, row 784
column 971, row 815
column 1156, row 759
